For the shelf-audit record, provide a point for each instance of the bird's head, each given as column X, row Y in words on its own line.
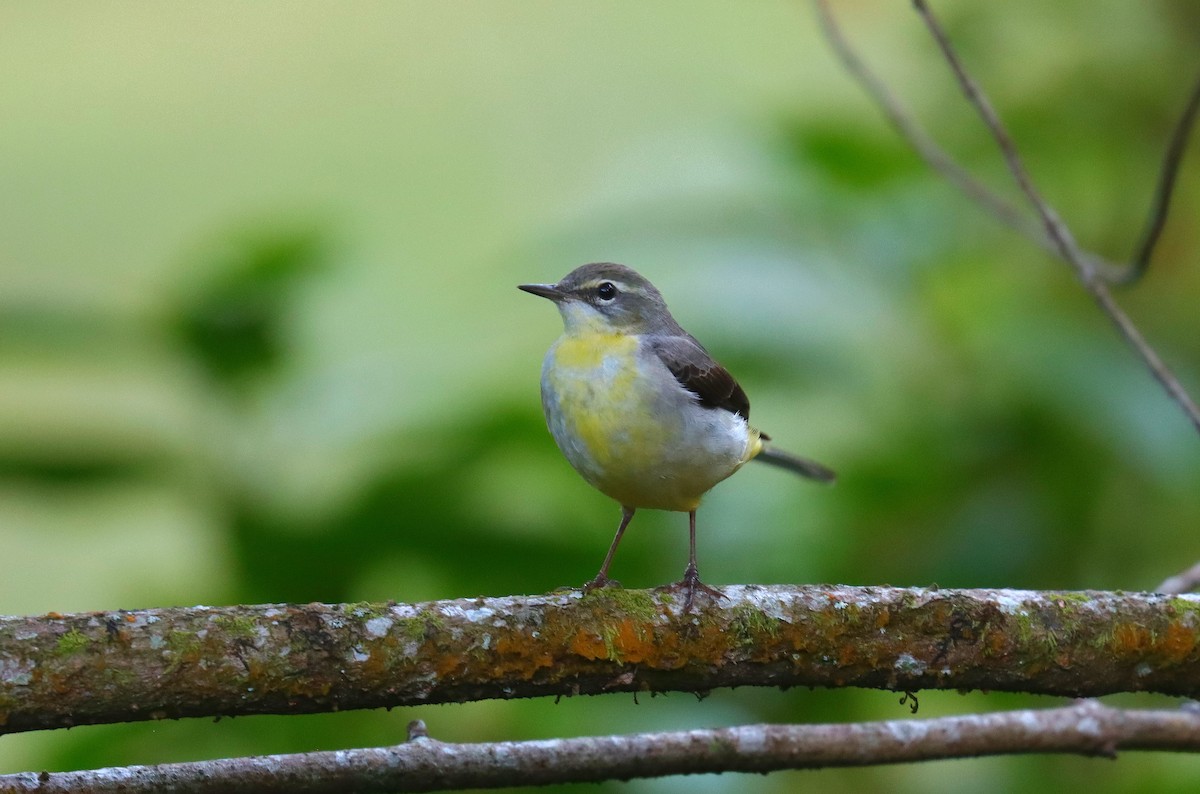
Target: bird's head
column 607, row 298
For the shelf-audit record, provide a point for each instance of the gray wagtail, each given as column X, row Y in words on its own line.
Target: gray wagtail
column 640, row 408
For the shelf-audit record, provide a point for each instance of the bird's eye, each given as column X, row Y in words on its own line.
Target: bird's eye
column 606, row 291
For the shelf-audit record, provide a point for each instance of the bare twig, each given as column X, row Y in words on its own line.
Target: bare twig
column 936, row 157
column 1186, row 582
column 63, row 670
column 1004, row 211
column 926, row 147
column 1084, row 728
column 1056, row 230
column 1161, row 203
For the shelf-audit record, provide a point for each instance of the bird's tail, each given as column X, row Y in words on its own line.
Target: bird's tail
column 796, row 464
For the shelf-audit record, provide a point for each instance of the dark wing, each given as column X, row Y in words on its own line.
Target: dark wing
column 700, row 374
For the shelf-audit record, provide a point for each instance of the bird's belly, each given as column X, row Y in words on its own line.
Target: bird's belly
column 632, row 431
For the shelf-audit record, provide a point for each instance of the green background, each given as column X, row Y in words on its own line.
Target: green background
column 260, row 339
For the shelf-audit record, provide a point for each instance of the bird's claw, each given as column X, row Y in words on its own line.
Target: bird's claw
column 601, row 581
column 691, row 584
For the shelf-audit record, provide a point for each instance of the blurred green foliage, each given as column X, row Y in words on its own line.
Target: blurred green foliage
column 207, row 400
column 234, row 325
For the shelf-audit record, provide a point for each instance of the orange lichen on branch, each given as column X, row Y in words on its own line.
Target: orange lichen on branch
column 588, row 645
column 1177, row 642
column 105, row 667
column 1130, row 638
column 632, row 644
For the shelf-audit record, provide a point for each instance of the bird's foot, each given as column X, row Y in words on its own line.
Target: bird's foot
column 690, row 584
column 599, row 582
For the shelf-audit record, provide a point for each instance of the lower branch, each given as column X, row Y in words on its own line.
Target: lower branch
column 63, row 670
column 1184, row 582
column 422, row 764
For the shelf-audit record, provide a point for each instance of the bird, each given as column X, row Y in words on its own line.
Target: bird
column 641, row 410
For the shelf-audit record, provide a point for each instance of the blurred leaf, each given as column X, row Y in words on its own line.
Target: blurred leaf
column 233, row 324
column 849, row 156
column 75, row 467
column 416, row 510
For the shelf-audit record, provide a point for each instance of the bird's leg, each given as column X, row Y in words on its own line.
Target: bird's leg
column 691, row 577
column 602, row 579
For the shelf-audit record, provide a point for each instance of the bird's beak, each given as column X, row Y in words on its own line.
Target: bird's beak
column 550, row 291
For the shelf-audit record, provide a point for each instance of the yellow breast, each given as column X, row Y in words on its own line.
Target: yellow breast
column 592, row 398
column 623, row 422
column 588, row 351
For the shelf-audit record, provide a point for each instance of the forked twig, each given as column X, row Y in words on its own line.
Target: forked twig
column 1161, row 202
column 1056, row 230
column 936, row 157
column 926, row 147
column 1003, row 210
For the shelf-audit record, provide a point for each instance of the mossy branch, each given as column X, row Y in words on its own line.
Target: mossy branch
column 62, row 670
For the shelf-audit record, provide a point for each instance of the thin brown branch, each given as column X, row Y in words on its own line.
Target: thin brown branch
column 1056, row 230
column 936, row 157
column 1085, row 728
column 63, row 670
column 1161, row 203
column 1185, row 582
column 990, row 201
